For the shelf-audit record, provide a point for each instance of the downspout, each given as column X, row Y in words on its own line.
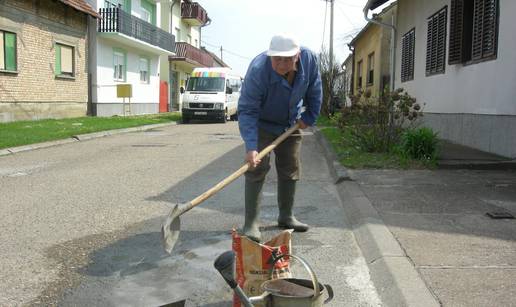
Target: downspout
column 352, row 85
column 392, row 65
column 172, row 16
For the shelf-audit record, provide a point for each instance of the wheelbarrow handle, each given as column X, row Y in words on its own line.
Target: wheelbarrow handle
column 219, row 186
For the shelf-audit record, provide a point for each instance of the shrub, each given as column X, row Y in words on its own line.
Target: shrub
column 378, row 122
column 420, row 144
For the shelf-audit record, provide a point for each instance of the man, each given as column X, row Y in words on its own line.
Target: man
column 282, row 86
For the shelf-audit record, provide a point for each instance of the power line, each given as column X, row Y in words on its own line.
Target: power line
column 351, row 5
column 219, row 48
column 345, row 15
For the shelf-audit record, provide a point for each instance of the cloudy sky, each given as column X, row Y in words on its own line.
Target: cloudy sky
column 244, row 27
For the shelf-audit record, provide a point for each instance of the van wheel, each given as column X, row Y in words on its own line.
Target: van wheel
column 224, row 117
column 185, row 120
column 234, row 117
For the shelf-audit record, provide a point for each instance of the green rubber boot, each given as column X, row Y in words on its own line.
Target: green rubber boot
column 286, row 193
column 252, row 210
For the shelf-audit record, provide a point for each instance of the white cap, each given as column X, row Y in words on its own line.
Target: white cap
column 282, row 45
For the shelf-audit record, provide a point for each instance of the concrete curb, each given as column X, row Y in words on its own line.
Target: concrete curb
column 80, row 137
column 396, row 279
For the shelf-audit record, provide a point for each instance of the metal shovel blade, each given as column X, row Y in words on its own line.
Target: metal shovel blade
column 170, row 229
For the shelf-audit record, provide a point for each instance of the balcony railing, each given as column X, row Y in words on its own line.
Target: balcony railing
column 185, row 51
column 194, row 13
column 115, row 20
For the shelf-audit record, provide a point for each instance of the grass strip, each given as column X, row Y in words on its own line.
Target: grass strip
column 30, row 132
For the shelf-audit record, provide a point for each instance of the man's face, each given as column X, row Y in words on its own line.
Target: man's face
column 283, row 64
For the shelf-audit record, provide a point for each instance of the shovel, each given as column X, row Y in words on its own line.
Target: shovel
column 171, row 227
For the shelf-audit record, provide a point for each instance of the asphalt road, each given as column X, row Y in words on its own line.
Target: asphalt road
column 80, row 222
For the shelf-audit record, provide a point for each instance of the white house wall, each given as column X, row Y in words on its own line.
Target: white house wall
column 145, row 97
column 475, row 104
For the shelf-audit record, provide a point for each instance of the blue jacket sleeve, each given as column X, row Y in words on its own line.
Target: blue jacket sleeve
column 249, row 108
column 313, row 97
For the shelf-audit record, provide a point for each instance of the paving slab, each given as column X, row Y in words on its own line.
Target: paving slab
column 449, row 246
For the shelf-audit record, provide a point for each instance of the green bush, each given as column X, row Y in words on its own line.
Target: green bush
column 378, row 122
column 420, row 144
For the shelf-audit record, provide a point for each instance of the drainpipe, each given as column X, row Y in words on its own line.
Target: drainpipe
column 352, row 81
column 393, row 40
column 172, row 16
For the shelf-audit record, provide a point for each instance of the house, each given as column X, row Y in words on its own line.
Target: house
column 129, row 45
column 371, row 54
column 188, row 19
column 43, row 59
column 457, row 56
column 348, row 75
column 151, row 45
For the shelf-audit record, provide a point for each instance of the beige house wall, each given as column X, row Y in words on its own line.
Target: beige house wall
column 369, row 42
column 377, row 39
column 34, row 92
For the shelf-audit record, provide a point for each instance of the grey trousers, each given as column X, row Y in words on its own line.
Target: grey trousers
column 288, row 164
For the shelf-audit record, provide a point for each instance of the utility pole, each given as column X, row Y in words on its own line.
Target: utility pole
column 331, row 33
column 331, row 73
column 331, row 38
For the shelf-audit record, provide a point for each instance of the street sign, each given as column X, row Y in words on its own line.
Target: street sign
column 124, row 91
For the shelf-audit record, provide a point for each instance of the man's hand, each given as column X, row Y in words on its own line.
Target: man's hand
column 302, row 124
column 250, row 157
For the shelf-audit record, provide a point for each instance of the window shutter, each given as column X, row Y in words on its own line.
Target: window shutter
column 478, row 20
column 436, row 43
column 431, row 46
column 485, row 24
column 66, row 59
column 456, row 31
column 10, row 51
column 58, row 59
column 407, row 56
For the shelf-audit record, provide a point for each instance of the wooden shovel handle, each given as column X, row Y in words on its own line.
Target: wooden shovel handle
column 204, row 196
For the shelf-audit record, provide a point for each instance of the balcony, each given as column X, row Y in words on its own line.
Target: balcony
column 194, row 14
column 115, row 20
column 193, row 56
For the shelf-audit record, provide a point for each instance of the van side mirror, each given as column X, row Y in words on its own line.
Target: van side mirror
column 182, row 90
column 229, row 90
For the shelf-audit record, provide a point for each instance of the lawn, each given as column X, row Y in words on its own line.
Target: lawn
column 29, row 132
column 351, row 156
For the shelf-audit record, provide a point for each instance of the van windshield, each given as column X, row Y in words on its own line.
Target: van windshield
column 206, row 84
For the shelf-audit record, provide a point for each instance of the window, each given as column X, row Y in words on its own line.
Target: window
column 64, row 60
column 473, row 31
column 7, row 51
column 408, row 42
column 359, row 74
column 119, row 66
column 146, row 15
column 436, row 43
column 144, row 70
column 370, row 68
column 206, row 84
column 148, row 10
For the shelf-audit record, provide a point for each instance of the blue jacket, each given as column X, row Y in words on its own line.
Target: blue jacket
column 267, row 100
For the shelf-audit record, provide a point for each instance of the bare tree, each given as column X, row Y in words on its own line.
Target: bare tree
column 333, row 83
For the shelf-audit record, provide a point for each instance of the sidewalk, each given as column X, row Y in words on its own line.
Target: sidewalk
column 425, row 233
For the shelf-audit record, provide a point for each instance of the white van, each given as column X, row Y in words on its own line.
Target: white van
column 211, row 93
